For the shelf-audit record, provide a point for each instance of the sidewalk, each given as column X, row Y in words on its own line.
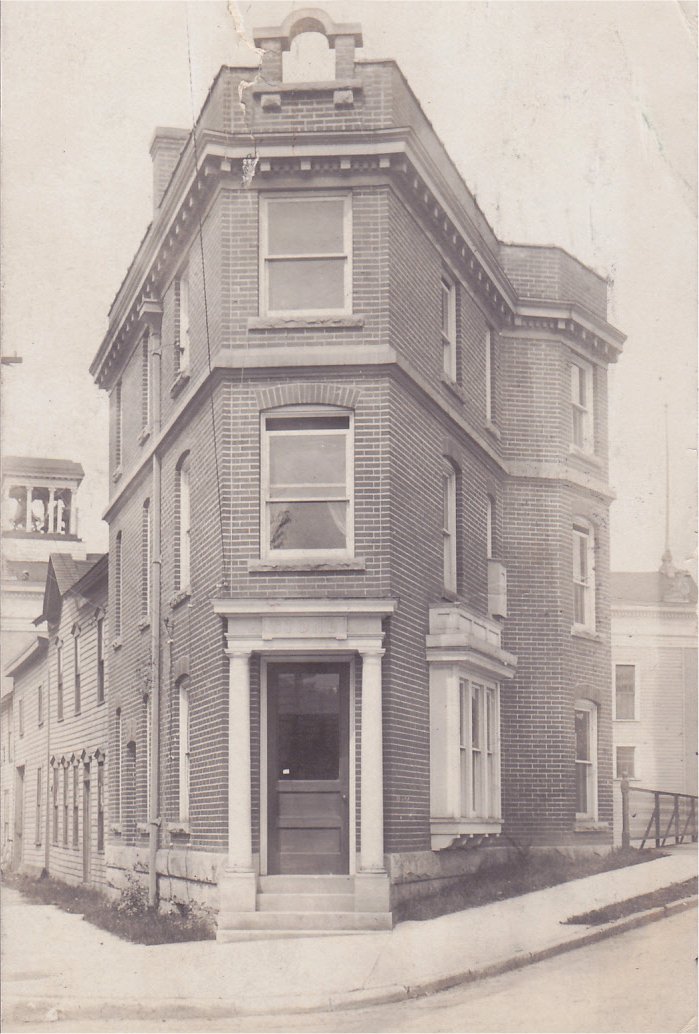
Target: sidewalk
column 55, row 961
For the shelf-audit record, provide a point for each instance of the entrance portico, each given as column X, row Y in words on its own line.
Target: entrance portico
column 310, row 650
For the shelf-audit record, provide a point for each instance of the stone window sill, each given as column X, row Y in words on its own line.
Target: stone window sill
column 590, row 826
column 587, row 457
column 580, row 632
column 453, row 386
column 180, row 597
column 178, row 829
column 117, row 473
column 144, row 435
column 307, row 322
column 493, row 429
column 330, row 565
column 180, row 382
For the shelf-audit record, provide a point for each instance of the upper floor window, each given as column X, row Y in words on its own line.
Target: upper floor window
column 448, row 292
column 145, row 383
column 76, row 666
column 585, row 759
column 118, row 426
column 100, row 660
column 118, row 561
column 583, row 575
column 59, row 681
column 490, row 527
column 581, row 391
column 182, row 321
column 625, row 696
column 183, row 533
column 449, row 526
column 306, row 254
column 307, row 483
column 145, row 557
column 490, row 375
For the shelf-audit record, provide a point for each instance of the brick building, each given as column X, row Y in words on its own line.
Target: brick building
column 359, row 601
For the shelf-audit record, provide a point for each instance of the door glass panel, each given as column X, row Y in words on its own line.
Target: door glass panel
column 308, row 715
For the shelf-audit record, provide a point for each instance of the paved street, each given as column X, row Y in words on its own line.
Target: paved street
column 643, row 980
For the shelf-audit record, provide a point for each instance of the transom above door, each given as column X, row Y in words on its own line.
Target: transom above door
column 308, row 770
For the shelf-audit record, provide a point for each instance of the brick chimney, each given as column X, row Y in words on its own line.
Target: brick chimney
column 165, row 149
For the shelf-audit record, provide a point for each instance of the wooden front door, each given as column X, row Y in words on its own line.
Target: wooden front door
column 87, row 826
column 308, row 774
column 17, row 847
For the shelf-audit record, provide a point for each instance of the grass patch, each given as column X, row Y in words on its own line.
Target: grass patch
column 129, row 917
column 641, row 903
column 533, row 871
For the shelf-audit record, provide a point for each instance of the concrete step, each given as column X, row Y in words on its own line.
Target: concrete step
column 338, row 922
column 269, row 902
column 321, row 884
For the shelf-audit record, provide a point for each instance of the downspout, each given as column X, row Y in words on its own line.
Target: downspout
column 47, row 843
column 155, row 601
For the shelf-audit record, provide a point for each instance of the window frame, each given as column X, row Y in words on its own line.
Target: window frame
column 590, row 708
column 266, row 436
column 582, row 406
column 636, row 692
column 448, row 332
column 449, row 528
column 583, row 530
column 266, row 200
column 636, row 774
column 184, row 755
column 482, row 751
column 183, row 540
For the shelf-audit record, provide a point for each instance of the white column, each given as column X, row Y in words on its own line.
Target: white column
column 239, row 788
column 371, row 855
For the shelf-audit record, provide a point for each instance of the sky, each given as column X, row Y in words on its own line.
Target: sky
column 573, row 123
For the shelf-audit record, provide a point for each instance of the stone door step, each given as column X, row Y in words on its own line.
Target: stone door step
column 233, row 922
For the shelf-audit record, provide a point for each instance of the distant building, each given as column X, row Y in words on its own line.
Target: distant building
column 359, row 599
column 654, row 653
column 54, row 739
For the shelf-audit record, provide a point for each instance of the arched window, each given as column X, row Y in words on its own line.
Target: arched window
column 449, row 526
column 583, row 574
column 145, row 558
column 183, row 529
column 184, row 750
column 308, row 60
column 117, row 583
column 585, row 759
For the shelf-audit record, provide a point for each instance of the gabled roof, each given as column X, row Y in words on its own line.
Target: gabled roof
column 64, row 573
column 37, row 466
column 29, row 653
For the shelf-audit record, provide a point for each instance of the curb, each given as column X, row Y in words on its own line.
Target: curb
column 49, row 1008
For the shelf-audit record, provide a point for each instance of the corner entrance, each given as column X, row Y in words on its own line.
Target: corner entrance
column 308, row 770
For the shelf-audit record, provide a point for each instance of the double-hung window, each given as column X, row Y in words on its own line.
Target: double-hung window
column 449, row 527
column 625, row 696
column 448, row 291
column 581, row 399
column 307, row 483
column 305, row 254
column 479, row 750
column 585, row 759
column 583, row 575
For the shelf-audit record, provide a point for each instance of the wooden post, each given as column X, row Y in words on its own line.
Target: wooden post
column 657, row 820
column 625, row 829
